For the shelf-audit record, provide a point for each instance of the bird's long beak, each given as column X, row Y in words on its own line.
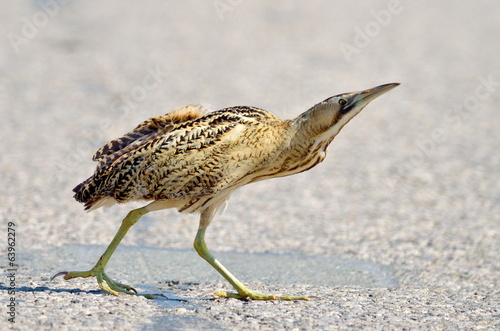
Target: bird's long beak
column 362, row 98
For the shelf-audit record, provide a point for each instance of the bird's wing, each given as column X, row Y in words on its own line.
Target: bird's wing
column 146, row 131
column 193, row 158
column 113, row 152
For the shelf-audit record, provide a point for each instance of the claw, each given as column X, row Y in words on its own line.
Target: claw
column 59, row 274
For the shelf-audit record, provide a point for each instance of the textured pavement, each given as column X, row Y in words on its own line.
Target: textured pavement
column 397, row 229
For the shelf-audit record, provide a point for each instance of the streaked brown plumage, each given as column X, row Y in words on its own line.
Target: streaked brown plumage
column 184, row 156
column 190, row 157
column 193, row 161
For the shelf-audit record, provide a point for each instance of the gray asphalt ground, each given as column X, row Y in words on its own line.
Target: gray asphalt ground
column 397, row 229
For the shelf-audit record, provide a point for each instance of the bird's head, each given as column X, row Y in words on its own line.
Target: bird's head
column 328, row 117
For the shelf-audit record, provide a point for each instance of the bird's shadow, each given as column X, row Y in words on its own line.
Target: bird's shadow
column 45, row 288
column 157, row 297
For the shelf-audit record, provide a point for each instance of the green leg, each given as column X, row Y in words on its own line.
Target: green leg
column 104, row 281
column 243, row 291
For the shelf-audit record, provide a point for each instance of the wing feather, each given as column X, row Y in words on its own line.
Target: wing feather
column 146, row 131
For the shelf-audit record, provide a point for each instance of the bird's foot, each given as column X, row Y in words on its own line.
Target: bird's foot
column 256, row 296
column 104, row 281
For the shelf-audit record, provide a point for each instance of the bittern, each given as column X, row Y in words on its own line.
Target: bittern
column 193, row 161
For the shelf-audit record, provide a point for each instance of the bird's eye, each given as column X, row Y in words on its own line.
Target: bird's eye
column 342, row 102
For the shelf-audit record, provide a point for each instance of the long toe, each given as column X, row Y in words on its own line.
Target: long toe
column 257, row 296
column 109, row 285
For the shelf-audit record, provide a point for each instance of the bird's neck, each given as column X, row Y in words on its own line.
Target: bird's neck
column 312, row 130
column 305, row 145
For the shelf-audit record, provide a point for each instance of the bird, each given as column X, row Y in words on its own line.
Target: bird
column 193, row 160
